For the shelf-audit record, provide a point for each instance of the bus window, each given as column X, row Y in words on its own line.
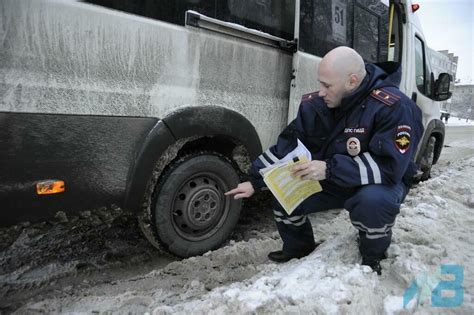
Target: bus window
column 366, row 33
column 420, row 65
column 429, row 77
column 361, row 24
column 172, row 11
column 395, row 44
column 325, row 25
column 276, row 17
column 371, row 30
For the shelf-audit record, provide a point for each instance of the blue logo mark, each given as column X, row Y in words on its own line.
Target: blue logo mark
column 443, row 293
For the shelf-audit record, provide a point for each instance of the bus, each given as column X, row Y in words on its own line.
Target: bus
column 158, row 107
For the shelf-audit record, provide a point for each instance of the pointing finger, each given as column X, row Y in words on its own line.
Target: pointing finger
column 232, row 192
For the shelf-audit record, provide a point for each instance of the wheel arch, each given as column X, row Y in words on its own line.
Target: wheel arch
column 194, row 127
column 218, row 122
column 435, row 128
column 159, row 138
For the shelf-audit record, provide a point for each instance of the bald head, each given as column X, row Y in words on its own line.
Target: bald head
column 344, row 61
column 340, row 72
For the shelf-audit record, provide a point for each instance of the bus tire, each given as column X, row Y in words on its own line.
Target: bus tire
column 190, row 211
column 426, row 162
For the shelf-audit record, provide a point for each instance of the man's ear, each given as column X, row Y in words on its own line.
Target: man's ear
column 353, row 82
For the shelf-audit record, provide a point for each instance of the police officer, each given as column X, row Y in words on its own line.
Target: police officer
column 362, row 133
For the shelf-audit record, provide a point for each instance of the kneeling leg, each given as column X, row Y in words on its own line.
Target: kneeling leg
column 373, row 210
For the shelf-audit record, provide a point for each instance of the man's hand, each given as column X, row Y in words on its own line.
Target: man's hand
column 243, row 190
column 315, row 170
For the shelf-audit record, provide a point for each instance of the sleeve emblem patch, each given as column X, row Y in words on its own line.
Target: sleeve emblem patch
column 402, row 138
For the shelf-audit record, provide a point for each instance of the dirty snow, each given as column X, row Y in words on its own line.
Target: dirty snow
column 435, row 227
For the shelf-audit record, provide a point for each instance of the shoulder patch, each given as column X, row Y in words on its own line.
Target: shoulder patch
column 384, row 96
column 309, row 96
column 402, row 138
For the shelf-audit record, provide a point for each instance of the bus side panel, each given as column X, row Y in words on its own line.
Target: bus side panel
column 305, row 81
column 77, row 58
column 91, row 154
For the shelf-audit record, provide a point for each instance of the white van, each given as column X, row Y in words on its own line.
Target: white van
column 158, row 106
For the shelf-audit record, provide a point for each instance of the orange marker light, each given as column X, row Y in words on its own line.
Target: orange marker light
column 49, row 187
column 414, row 7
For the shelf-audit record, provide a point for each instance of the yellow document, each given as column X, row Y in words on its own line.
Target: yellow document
column 290, row 191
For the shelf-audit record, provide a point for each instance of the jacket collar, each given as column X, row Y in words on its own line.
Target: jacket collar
column 378, row 76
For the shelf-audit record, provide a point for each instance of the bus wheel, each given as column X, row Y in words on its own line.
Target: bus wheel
column 427, row 159
column 190, row 211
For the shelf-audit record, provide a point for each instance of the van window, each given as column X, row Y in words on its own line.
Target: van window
column 276, row 17
column 395, row 45
column 371, row 30
column 361, row 24
column 324, row 25
column 428, row 78
column 165, row 10
column 423, row 74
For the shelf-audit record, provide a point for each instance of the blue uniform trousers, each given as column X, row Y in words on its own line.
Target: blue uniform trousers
column 372, row 210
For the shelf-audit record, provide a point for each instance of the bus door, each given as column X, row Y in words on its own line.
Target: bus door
column 321, row 25
column 422, row 80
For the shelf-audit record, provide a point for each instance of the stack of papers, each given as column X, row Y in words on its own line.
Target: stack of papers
column 290, row 191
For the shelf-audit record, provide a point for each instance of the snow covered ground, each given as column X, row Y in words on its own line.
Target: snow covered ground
column 456, row 121
column 434, row 229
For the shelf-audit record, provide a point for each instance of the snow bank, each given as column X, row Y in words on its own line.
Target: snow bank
column 457, row 121
column 435, row 227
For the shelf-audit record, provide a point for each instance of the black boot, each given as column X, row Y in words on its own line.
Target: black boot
column 374, row 262
column 280, row 256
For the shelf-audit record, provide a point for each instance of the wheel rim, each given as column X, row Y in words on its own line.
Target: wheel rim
column 199, row 206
